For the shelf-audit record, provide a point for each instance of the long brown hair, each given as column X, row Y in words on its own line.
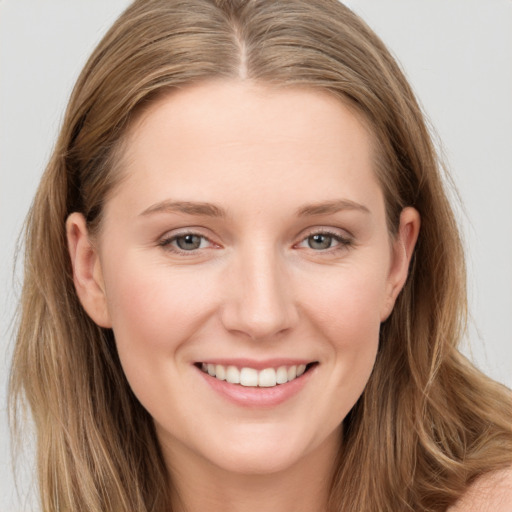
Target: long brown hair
column 427, row 424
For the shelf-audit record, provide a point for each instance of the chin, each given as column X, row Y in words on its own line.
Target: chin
column 256, row 461
column 265, row 451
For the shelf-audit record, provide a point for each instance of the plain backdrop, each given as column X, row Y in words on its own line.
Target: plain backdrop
column 458, row 57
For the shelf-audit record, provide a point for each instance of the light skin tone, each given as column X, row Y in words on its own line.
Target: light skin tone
column 249, row 228
column 489, row 493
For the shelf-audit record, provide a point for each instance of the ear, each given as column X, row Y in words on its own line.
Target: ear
column 87, row 273
column 402, row 251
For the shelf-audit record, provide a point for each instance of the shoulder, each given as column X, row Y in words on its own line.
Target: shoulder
column 489, row 493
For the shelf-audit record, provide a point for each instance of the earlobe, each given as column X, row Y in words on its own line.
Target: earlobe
column 402, row 251
column 87, row 272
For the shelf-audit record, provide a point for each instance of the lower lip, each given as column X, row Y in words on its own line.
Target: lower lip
column 255, row 396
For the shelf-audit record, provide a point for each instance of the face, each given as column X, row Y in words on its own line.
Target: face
column 245, row 267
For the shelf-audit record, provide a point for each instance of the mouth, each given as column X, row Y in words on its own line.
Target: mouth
column 252, row 378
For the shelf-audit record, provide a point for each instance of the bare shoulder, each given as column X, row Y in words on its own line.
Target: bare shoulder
column 490, row 493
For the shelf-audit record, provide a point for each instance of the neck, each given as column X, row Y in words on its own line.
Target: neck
column 304, row 487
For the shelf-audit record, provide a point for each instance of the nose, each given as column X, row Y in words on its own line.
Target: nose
column 260, row 302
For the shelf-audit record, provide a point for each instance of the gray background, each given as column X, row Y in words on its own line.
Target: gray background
column 456, row 53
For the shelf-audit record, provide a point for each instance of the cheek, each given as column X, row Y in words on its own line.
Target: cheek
column 352, row 327
column 153, row 302
column 156, row 314
column 347, row 302
column 345, row 312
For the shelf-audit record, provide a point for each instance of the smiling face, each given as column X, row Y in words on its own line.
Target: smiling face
column 247, row 241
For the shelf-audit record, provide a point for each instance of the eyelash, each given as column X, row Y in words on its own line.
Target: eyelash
column 342, row 242
column 168, row 243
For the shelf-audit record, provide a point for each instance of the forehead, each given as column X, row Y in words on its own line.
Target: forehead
column 242, row 134
column 214, row 107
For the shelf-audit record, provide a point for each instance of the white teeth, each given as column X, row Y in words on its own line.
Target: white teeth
column 250, row 377
column 233, row 375
column 267, row 378
column 282, row 375
column 220, row 372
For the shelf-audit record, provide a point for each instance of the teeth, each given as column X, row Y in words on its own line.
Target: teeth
column 282, row 375
column 220, row 372
column 233, row 375
column 267, row 378
column 250, row 377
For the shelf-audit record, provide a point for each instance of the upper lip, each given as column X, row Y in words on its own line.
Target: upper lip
column 257, row 364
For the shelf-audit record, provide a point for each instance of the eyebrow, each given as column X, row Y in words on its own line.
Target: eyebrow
column 330, row 207
column 212, row 210
column 187, row 207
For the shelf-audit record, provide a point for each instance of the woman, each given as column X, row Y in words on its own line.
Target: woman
column 244, row 283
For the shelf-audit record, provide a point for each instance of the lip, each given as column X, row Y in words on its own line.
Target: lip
column 257, row 397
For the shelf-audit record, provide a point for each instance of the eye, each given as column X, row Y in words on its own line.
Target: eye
column 185, row 242
column 189, row 242
column 320, row 241
column 324, row 241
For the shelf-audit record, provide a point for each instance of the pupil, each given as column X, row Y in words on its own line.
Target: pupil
column 189, row 242
column 320, row 241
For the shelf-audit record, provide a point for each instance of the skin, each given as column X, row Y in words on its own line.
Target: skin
column 489, row 493
column 256, row 287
